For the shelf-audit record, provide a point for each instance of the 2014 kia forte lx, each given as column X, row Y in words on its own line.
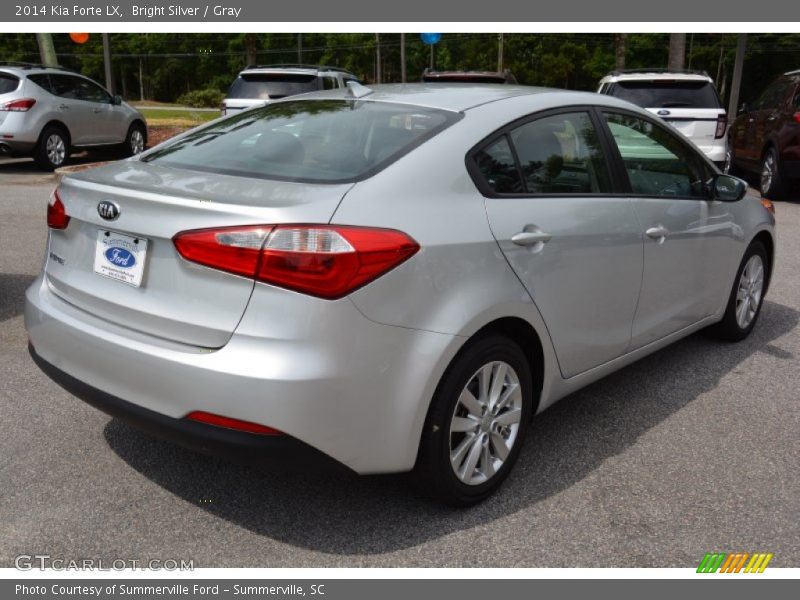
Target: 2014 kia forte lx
column 397, row 279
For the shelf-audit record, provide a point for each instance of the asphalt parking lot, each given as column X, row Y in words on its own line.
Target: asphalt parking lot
column 691, row 450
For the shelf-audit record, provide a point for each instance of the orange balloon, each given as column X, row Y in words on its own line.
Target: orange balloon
column 79, row 38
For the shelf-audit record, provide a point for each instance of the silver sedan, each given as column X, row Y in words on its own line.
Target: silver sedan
column 393, row 279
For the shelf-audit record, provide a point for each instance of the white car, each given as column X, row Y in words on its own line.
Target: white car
column 687, row 100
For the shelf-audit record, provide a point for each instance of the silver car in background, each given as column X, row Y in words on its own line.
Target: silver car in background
column 48, row 112
column 396, row 279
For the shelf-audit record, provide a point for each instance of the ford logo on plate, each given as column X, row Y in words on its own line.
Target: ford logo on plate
column 663, row 113
column 120, row 257
column 108, row 210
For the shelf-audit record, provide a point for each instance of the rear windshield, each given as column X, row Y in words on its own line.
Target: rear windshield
column 8, row 83
column 263, row 86
column 323, row 141
column 667, row 93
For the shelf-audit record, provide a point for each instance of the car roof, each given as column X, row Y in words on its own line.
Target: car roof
column 458, row 97
column 294, row 69
column 23, row 69
column 662, row 74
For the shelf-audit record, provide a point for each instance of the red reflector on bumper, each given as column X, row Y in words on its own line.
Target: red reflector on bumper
column 229, row 423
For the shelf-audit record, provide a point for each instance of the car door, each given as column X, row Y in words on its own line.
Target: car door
column 760, row 120
column 108, row 120
column 575, row 245
column 688, row 239
column 71, row 111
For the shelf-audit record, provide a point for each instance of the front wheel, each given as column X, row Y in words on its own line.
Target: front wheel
column 771, row 181
column 476, row 423
column 747, row 295
column 135, row 140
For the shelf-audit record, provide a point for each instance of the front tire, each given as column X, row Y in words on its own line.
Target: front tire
column 52, row 149
column 772, row 185
column 477, row 422
column 135, row 141
column 747, row 296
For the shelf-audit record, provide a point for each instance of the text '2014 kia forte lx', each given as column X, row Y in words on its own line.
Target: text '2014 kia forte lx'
column 397, row 279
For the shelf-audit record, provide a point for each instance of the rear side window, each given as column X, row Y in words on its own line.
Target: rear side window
column 41, row 79
column 324, row 141
column 8, row 83
column 263, row 86
column 667, row 93
column 773, row 96
column 558, row 154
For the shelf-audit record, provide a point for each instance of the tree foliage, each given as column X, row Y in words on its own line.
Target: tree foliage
column 172, row 64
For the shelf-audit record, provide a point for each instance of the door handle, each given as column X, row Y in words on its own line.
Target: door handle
column 63, row 106
column 659, row 232
column 530, row 238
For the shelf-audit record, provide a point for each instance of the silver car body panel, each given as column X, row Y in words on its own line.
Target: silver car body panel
column 354, row 377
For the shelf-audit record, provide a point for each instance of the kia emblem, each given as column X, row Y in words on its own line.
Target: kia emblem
column 108, row 210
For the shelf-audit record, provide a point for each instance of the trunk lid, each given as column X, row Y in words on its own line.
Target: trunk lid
column 177, row 300
column 697, row 124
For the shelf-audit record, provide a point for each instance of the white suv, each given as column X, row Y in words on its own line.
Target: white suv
column 258, row 84
column 687, row 100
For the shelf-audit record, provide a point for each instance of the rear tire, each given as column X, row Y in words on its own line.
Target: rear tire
column 772, row 184
column 477, row 422
column 52, row 150
column 747, row 296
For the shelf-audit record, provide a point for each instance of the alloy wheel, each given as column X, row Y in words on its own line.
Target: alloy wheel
column 137, row 141
column 485, row 423
column 748, row 294
column 767, row 172
column 56, row 149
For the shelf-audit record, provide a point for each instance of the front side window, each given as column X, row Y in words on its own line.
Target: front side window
column 561, row 154
column 91, row 92
column 324, row 141
column 657, row 163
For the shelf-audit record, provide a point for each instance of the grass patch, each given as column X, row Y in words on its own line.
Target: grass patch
column 180, row 118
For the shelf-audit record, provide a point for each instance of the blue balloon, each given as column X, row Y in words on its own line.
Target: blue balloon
column 430, row 38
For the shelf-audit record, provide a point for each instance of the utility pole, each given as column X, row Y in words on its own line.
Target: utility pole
column 741, row 46
column 107, row 63
column 46, row 49
column 619, row 50
column 677, row 51
column 250, row 49
column 403, row 57
column 500, row 53
column 377, row 58
column 300, row 48
column 141, row 81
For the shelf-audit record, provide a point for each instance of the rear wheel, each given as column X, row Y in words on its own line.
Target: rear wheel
column 771, row 182
column 52, row 150
column 744, row 303
column 477, row 422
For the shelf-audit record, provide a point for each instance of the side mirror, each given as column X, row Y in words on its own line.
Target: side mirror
column 727, row 188
column 744, row 108
column 116, row 100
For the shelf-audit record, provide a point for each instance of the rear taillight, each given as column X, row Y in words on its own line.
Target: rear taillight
column 327, row 261
column 21, row 105
column 796, row 117
column 57, row 217
column 230, row 423
column 722, row 125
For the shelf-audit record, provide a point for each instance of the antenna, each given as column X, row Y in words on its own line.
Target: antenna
column 356, row 90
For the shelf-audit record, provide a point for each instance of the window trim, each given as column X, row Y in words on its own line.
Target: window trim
column 481, row 184
column 616, row 156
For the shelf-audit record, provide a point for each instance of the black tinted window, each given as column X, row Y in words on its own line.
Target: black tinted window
column 64, row 86
column 263, row 86
column 561, row 154
column 498, row 168
column 91, row 92
column 667, row 93
column 42, row 80
column 313, row 140
column 8, row 83
column 773, row 96
column 657, row 163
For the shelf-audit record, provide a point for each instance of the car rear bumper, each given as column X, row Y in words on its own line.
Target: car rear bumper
column 355, row 390
column 276, row 451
